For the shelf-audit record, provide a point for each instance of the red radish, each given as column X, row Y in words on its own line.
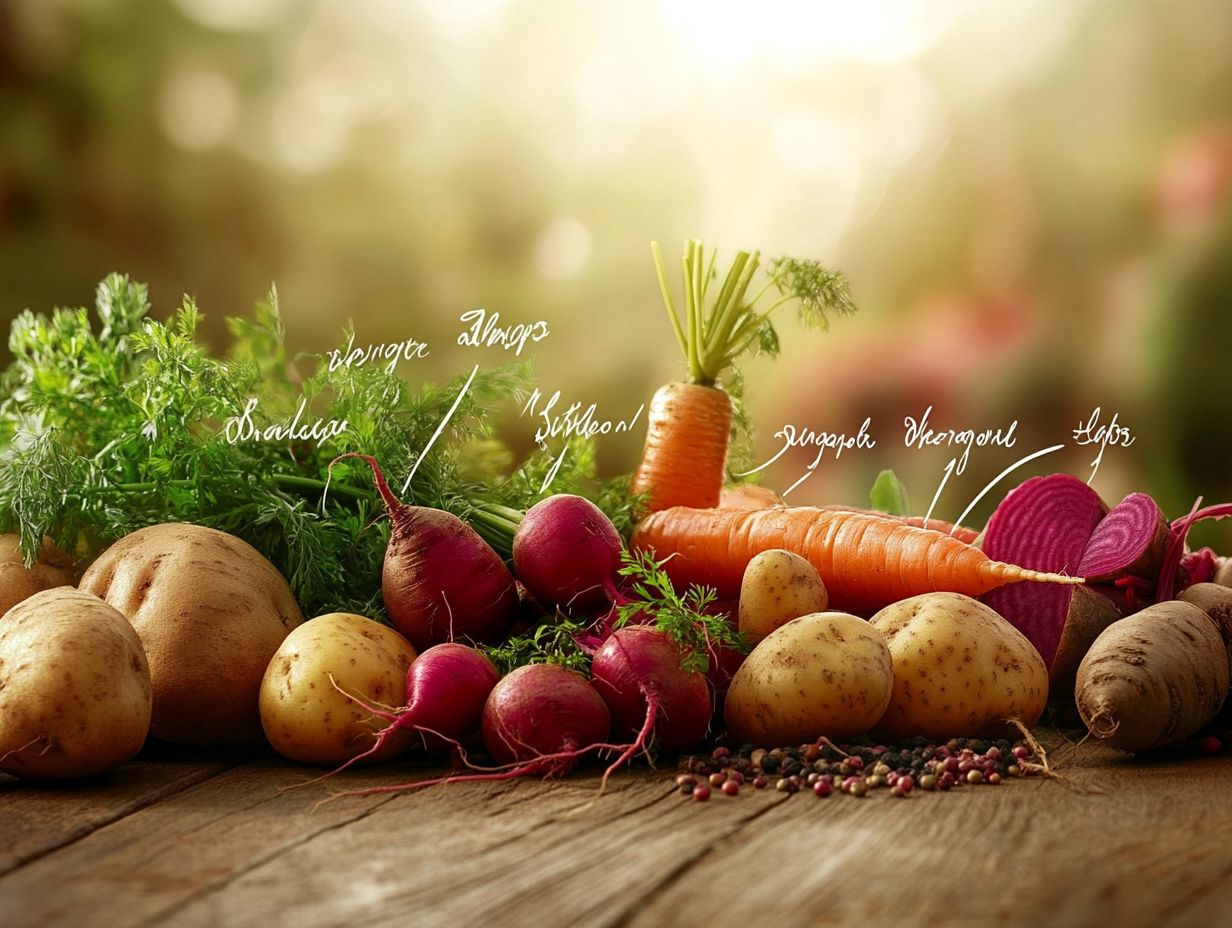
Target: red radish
column 567, row 553
column 1043, row 524
column 441, row 581
column 638, row 673
column 446, row 688
column 541, row 718
column 1131, row 540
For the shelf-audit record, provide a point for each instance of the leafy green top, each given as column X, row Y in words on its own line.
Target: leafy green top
column 713, row 334
column 682, row 616
column 104, row 432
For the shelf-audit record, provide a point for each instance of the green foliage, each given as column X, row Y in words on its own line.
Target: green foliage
column 889, row 495
column 682, row 616
column 104, row 432
column 554, row 642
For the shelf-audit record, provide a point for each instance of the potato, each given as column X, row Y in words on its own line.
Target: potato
column 778, row 586
column 960, row 669
column 823, row 674
column 75, row 692
column 17, row 581
column 210, row 612
column 305, row 717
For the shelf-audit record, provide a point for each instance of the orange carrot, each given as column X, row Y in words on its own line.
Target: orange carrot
column 685, row 458
column 867, row 561
column 750, row 496
column 685, row 466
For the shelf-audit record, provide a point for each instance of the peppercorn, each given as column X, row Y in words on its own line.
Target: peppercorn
column 702, row 793
column 760, row 782
column 974, row 776
column 928, row 782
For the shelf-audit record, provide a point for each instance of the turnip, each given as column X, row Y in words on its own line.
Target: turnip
column 1153, row 678
column 567, row 553
column 441, row 581
column 639, row 673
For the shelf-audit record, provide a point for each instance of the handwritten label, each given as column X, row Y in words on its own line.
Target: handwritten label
column 793, row 437
column 919, row 434
column 573, row 420
column 242, row 428
column 1092, row 432
column 407, row 350
column 485, row 331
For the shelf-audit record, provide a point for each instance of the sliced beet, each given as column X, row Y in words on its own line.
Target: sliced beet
column 1043, row 524
column 1132, row 539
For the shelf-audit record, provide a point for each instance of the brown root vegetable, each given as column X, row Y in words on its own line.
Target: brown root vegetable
column 1216, row 601
column 1223, row 574
column 17, row 581
column 1153, row 678
column 210, row 611
column 1089, row 613
column 74, row 687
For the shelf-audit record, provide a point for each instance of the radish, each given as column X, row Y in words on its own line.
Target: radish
column 638, row 673
column 440, row 580
column 567, row 553
column 541, row 718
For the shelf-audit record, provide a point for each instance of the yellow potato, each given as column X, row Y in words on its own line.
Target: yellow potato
column 305, row 717
column 74, row 687
column 823, row 674
column 960, row 669
column 17, row 581
column 778, row 586
column 210, row 611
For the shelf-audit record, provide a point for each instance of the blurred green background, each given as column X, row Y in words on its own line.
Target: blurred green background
column 1033, row 199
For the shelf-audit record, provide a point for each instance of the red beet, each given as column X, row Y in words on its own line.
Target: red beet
column 1131, row 540
column 1043, row 524
column 637, row 672
column 441, row 581
column 567, row 553
column 541, row 718
column 1170, row 573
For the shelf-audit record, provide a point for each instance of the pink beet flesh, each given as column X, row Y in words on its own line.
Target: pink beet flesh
column 1043, row 524
column 1131, row 539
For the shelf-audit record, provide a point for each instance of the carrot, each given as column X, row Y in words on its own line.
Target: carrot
column 749, row 496
column 866, row 561
column 689, row 425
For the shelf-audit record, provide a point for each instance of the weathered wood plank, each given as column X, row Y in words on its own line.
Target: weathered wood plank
column 36, row 819
column 1118, row 847
column 1121, row 846
column 443, row 857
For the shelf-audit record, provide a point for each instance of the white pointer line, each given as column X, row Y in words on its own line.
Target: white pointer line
column 440, row 428
column 1001, row 476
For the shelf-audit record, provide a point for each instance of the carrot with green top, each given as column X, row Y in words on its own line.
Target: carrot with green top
column 689, row 425
column 866, row 560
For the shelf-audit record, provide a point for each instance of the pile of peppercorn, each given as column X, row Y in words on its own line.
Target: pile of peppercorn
column 856, row 769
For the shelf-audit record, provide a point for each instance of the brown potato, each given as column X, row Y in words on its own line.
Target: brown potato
column 17, row 581
column 75, row 693
column 210, row 611
column 960, row 669
column 778, row 586
column 825, row 674
column 305, row 717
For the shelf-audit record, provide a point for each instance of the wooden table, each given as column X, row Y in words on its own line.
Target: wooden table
column 197, row 840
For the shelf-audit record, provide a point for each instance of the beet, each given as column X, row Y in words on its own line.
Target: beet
column 1044, row 524
column 441, row 581
column 637, row 672
column 1131, row 540
column 541, row 718
column 566, row 552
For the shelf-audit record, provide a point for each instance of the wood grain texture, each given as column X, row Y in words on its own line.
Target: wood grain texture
column 1122, row 843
